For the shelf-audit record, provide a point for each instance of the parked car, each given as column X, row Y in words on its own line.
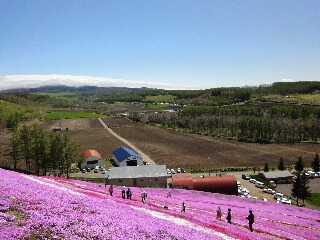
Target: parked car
column 103, row 172
column 252, row 180
column 267, row 190
column 83, row 170
column 245, row 176
column 96, row 171
column 178, row 170
column 272, row 184
column 173, row 171
column 168, row 171
column 284, row 201
column 278, row 195
column 259, row 184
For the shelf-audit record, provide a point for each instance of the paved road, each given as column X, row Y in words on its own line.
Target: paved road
column 143, row 155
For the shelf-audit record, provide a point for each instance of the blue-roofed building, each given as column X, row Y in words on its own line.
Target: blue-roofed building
column 127, row 157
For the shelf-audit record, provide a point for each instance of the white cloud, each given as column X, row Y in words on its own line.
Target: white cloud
column 31, row 81
column 287, row 80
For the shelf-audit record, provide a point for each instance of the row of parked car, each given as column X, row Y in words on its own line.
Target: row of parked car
column 311, row 174
column 95, row 170
column 244, row 192
column 278, row 196
column 173, row 171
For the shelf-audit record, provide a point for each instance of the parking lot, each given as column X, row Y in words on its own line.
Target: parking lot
column 253, row 190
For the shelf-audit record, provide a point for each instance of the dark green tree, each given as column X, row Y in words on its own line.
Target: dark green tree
column 15, row 151
column 316, row 164
column 299, row 165
column 39, row 148
column 281, row 164
column 26, row 144
column 305, row 191
column 70, row 153
column 296, row 186
column 266, row 168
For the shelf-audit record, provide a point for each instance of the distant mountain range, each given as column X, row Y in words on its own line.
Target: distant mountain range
column 64, row 88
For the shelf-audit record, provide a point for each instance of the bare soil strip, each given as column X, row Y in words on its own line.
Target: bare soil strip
column 143, row 155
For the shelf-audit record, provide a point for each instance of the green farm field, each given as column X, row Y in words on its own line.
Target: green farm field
column 70, row 115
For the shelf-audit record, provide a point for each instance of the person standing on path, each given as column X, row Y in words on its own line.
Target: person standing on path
column 251, row 220
column 183, row 207
column 219, row 213
column 129, row 194
column 229, row 215
column 168, row 194
column 123, row 191
column 143, row 196
column 111, row 190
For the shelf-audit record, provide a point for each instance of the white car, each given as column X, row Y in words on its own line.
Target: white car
column 178, row 170
column 168, row 171
column 284, row 201
column 173, row 171
column 278, row 195
column 252, row 180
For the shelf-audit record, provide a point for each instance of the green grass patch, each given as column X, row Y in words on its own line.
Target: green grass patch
column 68, row 96
column 314, row 200
column 64, row 115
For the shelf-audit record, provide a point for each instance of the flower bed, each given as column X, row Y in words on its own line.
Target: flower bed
column 56, row 208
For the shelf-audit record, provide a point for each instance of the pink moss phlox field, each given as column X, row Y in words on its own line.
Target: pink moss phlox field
column 57, row 208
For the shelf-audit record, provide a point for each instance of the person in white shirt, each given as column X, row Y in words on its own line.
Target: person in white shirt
column 143, row 196
column 123, row 191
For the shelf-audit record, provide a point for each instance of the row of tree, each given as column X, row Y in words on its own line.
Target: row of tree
column 299, row 166
column 42, row 153
column 242, row 127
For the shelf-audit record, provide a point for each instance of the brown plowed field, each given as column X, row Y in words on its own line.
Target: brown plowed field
column 172, row 148
column 88, row 133
column 72, row 124
column 177, row 149
column 118, row 122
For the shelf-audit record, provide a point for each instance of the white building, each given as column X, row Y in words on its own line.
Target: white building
column 91, row 159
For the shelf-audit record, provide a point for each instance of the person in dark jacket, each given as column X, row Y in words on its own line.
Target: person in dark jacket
column 129, row 194
column 111, row 190
column 229, row 215
column 183, row 209
column 251, row 220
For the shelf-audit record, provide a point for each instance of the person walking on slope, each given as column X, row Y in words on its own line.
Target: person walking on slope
column 168, row 194
column 219, row 213
column 143, row 196
column 111, row 190
column 251, row 220
column 123, row 191
column 129, row 194
column 183, row 207
column 229, row 215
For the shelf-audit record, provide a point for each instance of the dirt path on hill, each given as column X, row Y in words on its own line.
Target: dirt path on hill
column 144, row 156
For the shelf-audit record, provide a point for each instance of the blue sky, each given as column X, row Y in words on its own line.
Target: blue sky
column 169, row 44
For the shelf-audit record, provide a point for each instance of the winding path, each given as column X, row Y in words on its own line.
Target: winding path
column 143, row 155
